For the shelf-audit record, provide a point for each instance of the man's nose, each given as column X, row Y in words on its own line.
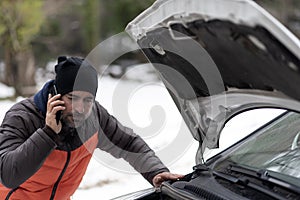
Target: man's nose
column 79, row 107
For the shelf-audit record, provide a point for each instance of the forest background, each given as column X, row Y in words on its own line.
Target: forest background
column 35, row 32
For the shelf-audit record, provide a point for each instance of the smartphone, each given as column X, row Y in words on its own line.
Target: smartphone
column 58, row 113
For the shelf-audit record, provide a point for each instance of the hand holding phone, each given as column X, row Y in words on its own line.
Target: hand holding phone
column 55, row 106
column 58, row 113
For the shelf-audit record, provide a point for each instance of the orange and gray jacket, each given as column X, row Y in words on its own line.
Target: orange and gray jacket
column 36, row 163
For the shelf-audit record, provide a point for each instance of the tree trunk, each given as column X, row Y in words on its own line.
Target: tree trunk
column 20, row 71
column 26, row 72
column 9, row 77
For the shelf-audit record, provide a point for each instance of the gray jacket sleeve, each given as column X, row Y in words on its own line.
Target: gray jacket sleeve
column 23, row 147
column 122, row 142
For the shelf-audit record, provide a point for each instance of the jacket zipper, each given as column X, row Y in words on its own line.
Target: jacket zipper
column 10, row 193
column 57, row 181
column 61, row 174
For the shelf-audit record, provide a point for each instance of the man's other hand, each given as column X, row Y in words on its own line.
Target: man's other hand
column 164, row 176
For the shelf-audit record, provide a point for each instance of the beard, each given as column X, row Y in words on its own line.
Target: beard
column 73, row 120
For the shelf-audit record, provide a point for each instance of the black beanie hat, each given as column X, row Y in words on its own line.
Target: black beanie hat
column 75, row 73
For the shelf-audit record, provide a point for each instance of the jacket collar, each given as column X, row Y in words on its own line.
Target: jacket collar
column 41, row 97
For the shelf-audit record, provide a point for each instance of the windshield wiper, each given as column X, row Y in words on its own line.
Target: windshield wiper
column 264, row 175
column 246, row 182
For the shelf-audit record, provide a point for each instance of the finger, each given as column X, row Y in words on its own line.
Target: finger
column 51, row 99
column 57, row 108
column 54, row 106
column 167, row 175
column 157, row 181
column 170, row 176
column 177, row 175
column 54, row 97
column 160, row 178
column 56, row 103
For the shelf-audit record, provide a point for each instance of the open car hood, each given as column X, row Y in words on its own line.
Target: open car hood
column 218, row 58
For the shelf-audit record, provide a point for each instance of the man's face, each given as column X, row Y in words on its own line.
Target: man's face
column 78, row 107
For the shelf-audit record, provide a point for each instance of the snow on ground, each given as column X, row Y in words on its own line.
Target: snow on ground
column 149, row 110
column 5, row 91
column 108, row 178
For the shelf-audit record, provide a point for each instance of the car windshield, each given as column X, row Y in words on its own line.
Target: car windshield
column 275, row 147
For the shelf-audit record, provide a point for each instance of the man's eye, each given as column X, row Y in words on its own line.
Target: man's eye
column 89, row 100
column 73, row 98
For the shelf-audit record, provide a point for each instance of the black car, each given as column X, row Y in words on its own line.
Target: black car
column 220, row 58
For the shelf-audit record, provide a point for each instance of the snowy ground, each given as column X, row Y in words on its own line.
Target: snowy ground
column 143, row 101
column 139, row 105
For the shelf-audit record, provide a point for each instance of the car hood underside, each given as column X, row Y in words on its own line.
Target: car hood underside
column 215, row 68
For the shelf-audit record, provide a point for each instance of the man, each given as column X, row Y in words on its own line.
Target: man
column 46, row 141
